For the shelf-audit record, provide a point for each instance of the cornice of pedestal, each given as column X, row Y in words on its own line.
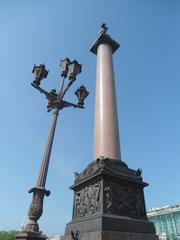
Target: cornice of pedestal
column 104, row 38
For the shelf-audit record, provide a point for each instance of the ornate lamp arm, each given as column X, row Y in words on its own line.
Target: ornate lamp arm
column 61, row 94
column 69, row 104
column 41, row 90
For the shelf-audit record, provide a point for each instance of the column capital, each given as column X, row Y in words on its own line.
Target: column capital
column 104, row 38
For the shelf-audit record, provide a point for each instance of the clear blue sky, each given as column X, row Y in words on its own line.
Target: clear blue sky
column 147, row 72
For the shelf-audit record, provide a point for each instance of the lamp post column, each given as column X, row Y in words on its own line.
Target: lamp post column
column 36, row 207
column 45, row 162
column 55, row 103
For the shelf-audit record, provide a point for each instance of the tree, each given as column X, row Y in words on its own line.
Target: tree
column 10, row 235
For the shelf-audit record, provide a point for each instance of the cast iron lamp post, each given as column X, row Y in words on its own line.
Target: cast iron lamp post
column 56, row 103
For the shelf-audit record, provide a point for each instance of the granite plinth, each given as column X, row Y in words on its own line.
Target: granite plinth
column 109, row 204
column 30, row 236
column 112, row 235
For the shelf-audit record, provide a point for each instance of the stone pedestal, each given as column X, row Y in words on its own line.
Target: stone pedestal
column 109, row 204
column 30, row 236
column 114, row 236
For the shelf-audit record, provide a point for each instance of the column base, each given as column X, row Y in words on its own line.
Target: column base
column 112, row 223
column 109, row 227
column 30, row 236
column 109, row 204
column 112, row 235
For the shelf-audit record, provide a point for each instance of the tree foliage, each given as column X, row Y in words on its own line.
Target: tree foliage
column 11, row 235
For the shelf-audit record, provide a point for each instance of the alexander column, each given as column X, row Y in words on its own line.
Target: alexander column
column 109, row 199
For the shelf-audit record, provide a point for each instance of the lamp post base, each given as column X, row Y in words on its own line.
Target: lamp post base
column 30, row 236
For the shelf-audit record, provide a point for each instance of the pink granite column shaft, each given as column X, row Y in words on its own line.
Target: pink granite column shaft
column 106, row 131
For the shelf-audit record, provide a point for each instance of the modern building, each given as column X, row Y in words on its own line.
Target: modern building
column 166, row 221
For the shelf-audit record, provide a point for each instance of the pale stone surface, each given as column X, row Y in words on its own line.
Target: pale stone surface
column 106, row 131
